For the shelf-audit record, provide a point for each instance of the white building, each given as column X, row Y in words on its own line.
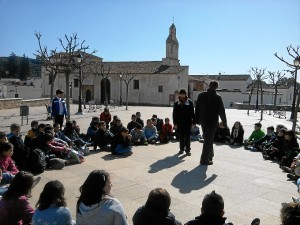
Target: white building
column 153, row 83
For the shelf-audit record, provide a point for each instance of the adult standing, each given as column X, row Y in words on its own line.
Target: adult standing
column 209, row 107
column 59, row 110
column 183, row 118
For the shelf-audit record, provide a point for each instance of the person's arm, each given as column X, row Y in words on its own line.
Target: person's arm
column 175, row 115
column 222, row 111
column 26, row 210
column 12, row 167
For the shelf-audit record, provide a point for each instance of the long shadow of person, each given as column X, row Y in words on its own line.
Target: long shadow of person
column 186, row 181
column 166, row 163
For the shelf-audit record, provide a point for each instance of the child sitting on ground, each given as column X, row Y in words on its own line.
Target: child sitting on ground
column 137, row 136
column 291, row 148
column 257, row 134
column 237, row 134
column 222, row 134
column 265, row 141
column 150, row 132
column 3, row 137
column 132, row 124
column 195, row 133
column 121, row 143
column 7, row 166
column 276, row 150
column 166, row 133
column 102, row 137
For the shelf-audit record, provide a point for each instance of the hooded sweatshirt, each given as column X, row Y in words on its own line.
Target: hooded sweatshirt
column 108, row 211
column 146, row 216
column 208, row 219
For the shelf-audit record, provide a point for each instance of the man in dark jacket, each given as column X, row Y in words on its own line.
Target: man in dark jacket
column 212, row 211
column 209, row 107
column 183, row 118
column 59, row 110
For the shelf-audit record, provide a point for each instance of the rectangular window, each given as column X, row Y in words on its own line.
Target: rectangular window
column 76, row 82
column 136, row 84
column 160, row 88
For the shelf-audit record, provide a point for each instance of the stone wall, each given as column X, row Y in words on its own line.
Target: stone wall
column 11, row 103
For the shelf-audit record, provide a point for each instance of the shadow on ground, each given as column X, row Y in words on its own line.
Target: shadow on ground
column 187, row 181
column 166, row 163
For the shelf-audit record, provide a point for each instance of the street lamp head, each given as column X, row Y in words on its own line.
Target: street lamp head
column 121, row 75
column 297, row 61
column 79, row 58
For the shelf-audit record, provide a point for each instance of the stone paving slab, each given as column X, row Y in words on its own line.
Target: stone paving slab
column 250, row 186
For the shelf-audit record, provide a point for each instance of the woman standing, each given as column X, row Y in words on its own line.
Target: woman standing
column 95, row 205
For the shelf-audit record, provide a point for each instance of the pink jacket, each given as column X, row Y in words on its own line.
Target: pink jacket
column 56, row 146
column 8, row 165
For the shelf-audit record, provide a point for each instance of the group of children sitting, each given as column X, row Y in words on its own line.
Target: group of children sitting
column 279, row 145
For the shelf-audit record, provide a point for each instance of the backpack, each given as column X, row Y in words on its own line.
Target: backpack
column 37, row 161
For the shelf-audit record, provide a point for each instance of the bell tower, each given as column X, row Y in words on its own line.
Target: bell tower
column 172, row 47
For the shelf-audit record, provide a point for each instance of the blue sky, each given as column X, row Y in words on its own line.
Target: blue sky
column 227, row 36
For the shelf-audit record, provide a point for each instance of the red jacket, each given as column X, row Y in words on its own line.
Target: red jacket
column 8, row 165
column 106, row 118
column 167, row 129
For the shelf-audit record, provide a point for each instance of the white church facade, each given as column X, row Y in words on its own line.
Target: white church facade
column 151, row 82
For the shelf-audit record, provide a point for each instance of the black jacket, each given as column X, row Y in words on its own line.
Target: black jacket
column 208, row 220
column 209, row 107
column 145, row 216
column 184, row 115
column 119, row 140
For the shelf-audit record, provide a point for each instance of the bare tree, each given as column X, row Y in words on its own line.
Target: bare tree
column 48, row 61
column 64, row 61
column 294, row 54
column 103, row 71
column 127, row 78
column 275, row 78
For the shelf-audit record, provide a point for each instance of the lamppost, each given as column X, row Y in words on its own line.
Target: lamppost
column 296, row 64
column 79, row 60
column 16, row 94
column 121, row 76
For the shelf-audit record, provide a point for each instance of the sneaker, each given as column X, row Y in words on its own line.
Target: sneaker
column 188, row 153
column 286, row 169
column 180, row 152
column 208, row 163
column 253, row 149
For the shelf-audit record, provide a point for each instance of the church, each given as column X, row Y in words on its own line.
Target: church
column 146, row 82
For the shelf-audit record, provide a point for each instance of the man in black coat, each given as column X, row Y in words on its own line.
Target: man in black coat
column 209, row 107
column 183, row 118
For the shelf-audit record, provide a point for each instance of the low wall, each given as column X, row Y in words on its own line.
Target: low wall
column 11, row 103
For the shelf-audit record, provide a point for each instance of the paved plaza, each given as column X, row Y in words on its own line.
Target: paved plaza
column 251, row 187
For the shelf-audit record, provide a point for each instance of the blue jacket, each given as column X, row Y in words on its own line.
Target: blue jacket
column 55, row 107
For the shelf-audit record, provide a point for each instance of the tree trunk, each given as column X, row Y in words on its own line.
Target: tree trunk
column 275, row 97
column 250, row 96
column 67, row 74
column 105, row 94
column 51, row 90
column 127, row 96
column 296, row 114
column 261, row 102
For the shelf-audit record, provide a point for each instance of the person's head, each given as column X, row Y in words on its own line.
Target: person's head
column 69, row 124
column 41, row 127
column 59, row 93
column 124, row 132
column 6, row 149
column 213, row 85
column 114, row 118
column 95, row 119
column 49, row 128
column 133, row 117
column 138, row 127
column 138, row 115
column 289, row 135
column 56, row 127
column 97, row 185
column 47, row 138
column 15, row 129
column 182, row 96
column 221, row 125
column 167, row 120
column 3, row 137
column 257, row 126
column 270, row 130
column 34, row 124
column 213, row 204
column 106, row 111
column 74, row 123
column 52, row 194
column 237, row 125
column 102, row 125
column 290, row 213
column 118, row 122
column 154, row 121
column 279, row 127
column 19, row 186
column 281, row 132
column 149, row 123
column 159, row 200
